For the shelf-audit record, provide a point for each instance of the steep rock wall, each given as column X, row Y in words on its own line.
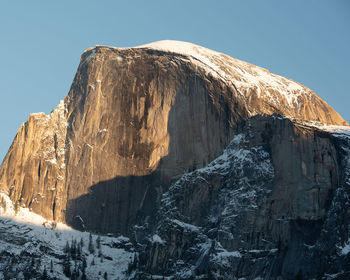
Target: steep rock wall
column 133, row 120
column 262, row 209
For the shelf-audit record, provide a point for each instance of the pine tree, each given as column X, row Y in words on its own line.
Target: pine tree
column 16, row 207
column 38, row 264
column 66, row 249
column 27, row 275
column 79, row 251
column 91, row 245
column 75, row 274
column 66, row 266
column 54, row 225
column 105, row 276
column 73, row 249
column 44, row 275
column 83, row 276
column 3, row 204
column 51, row 266
column 299, row 275
column 81, row 242
column 98, row 242
column 84, row 262
column 132, row 265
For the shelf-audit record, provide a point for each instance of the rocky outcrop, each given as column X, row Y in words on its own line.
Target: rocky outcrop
column 137, row 147
column 274, row 206
column 33, row 171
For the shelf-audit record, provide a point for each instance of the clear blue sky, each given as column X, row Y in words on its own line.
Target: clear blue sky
column 41, row 43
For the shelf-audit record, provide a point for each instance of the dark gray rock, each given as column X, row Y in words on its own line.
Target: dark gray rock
column 251, row 213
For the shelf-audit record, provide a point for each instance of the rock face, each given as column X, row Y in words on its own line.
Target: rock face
column 273, row 205
column 195, row 155
column 33, row 171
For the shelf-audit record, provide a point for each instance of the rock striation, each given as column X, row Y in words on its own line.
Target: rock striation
column 194, row 155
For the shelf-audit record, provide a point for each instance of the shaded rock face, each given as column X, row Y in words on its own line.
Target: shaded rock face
column 251, row 213
column 176, row 154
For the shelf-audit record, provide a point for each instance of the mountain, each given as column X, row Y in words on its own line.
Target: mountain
column 213, row 167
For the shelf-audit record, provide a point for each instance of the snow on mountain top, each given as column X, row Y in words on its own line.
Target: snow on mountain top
column 242, row 75
column 260, row 90
column 179, row 47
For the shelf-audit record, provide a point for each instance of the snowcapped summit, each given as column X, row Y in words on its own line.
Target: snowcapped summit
column 262, row 91
column 243, row 74
column 180, row 47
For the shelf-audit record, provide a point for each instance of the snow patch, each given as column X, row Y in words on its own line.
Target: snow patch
column 345, row 249
column 103, row 130
column 23, row 215
column 52, row 160
column 336, row 130
column 186, row 226
column 227, row 254
column 224, row 257
column 157, row 239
